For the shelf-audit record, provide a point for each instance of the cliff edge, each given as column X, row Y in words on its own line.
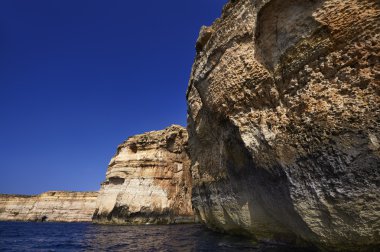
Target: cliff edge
column 284, row 122
column 53, row 206
column 148, row 181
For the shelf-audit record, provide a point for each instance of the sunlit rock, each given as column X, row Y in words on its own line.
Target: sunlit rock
column 284, row 122
column 52, row 206
column 148, row 181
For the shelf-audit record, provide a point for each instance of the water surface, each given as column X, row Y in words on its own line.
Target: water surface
column 19, row 236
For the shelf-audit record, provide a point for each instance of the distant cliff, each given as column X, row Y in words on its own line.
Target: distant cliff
column 148, row 181
column 50, row 206
column 284, row 121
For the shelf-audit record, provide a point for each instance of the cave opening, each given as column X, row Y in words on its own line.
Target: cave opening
column 116, row 181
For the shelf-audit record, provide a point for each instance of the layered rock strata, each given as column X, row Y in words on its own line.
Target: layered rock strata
column 51, row 206
column 148, row 181
column 284, row 121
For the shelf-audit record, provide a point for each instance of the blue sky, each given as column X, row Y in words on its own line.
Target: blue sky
column 77, row 77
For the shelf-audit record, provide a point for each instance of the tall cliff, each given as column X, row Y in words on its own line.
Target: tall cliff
column 148, row 181
column 50, row 206
column 284, row 121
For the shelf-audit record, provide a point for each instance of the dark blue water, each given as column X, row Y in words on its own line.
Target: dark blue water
column 18, row 236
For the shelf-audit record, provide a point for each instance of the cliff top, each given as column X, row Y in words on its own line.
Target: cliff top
column 69, row 193
column 173, row 138
column 16, row 196
column 51, row 193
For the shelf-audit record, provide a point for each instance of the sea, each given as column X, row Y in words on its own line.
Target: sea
column 31, row 236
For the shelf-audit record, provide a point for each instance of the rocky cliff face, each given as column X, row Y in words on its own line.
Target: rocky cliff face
column 284, row 121
column 50, row 206
column 148, row 181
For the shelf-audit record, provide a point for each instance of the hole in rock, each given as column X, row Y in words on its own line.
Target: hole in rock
column 133, row 147
column 116, row 181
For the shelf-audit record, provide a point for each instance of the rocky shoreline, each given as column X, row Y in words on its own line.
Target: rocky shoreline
column 53, row 206
column 284, row 122
column 282, row 142
column 148, row 181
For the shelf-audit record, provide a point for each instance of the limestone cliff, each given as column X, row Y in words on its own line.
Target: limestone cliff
column 148, row 181
column 50, row 206
column 284, row 121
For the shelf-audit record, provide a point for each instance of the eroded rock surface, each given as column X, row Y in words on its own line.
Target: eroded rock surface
column 52, row 206
column 284, row 121
column 148, row 181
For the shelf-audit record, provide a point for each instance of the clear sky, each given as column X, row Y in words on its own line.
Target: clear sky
column 77, row 77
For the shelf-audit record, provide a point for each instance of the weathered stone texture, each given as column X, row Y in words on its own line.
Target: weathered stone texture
column 52, row 206
column 148, row 181
column 284, row 121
